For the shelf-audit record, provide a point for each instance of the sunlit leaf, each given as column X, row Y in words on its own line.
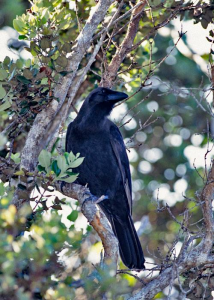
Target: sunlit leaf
column 73, row 216
column 19, row 26
column 61, row 161
column 76, row 163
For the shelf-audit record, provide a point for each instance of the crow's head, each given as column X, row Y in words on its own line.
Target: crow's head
column 104, row 95
column 101, row 101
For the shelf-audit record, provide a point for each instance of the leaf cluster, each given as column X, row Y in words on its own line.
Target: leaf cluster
column 24, row 88
column 59, row 168
column 50, row 27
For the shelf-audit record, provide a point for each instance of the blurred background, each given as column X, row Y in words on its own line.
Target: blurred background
column 167, row 134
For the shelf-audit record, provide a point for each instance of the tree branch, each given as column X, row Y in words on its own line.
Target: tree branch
column 125, row 47
column 95, row 217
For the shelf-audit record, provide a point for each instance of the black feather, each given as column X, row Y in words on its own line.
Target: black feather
column 106, row 168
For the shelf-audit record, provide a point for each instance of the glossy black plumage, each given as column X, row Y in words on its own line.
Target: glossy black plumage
column 106, row 168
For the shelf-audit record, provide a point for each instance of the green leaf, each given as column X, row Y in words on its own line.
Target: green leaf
column 66, row 155
column 23, row 111
column 61, row 161
column 34, row 48
column 45, row 159
column 62, row 61
column 55, row 168
column 3, row 74
column 45, row 15
column 76, row 163
column 19, row 63
column 56, row 2
column 71, row 157
column 19, row 173
column 44, row 81
column 23, row 37
column 23, row 79
column 73, row 216
column 6, row 61
column 40, row 168
column 70, row 179
column 2, row 189
column 27, row 74
column 5, row 105
column 45, row 59
column 19, row 26
column 66, row 47
column 28, row 63
column 16, row 157
column 70, row 173
column 2, row 92
column 45, row 43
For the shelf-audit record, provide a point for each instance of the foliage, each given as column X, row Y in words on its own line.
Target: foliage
column 32, row 265
column 60, row 167
column 49, row 27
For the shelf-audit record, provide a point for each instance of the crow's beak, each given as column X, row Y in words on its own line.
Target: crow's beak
column 117, row 96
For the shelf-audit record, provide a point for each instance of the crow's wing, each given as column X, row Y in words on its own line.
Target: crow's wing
column 119, row 150
column 68, row 137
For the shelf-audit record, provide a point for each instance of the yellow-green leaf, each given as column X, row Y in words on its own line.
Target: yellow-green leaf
column 3, row 74
column 19, row 26
column 2, row 92
column 70, row 179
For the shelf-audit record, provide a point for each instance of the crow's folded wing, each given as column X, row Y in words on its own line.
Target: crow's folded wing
column 119, row 150
column 68, row 138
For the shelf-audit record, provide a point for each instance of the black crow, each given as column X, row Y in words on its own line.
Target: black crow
column 106, row 168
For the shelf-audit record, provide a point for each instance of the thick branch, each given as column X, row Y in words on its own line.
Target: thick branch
column 96, row 218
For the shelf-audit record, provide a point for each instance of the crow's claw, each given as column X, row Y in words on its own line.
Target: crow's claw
column 95, row 199
column 102, row 198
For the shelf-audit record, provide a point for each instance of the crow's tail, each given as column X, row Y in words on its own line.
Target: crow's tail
column 130, row 249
